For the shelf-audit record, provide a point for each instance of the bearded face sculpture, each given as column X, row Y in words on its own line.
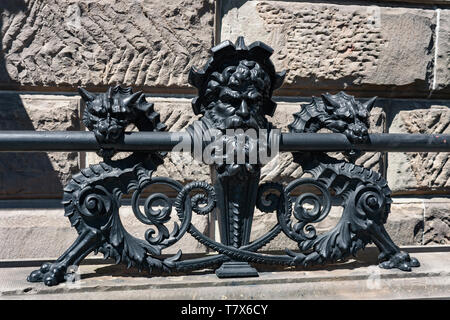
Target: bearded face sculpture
column 236, row 96
column 235, row 90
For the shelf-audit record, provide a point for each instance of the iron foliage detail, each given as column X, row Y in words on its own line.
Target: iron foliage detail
column 235, row 90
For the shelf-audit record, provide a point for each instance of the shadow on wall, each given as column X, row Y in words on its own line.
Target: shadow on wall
column 22, row 175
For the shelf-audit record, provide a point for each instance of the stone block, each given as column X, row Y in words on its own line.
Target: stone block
column 366, row 50
column 37, row 174
column 42, row 232
column 187, row 244
column 424, row 172
column 405, row 223
column 34, row 233
column 177, row 114
column 441, row 81
column 263, row 222
column 437, row 221
column 98, row 43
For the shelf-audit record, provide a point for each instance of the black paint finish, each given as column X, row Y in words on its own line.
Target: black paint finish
column 234, row 92
column 65, row 141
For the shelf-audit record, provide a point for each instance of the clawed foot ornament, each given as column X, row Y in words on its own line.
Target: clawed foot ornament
column 59, row 271
column 234, row 92
column 50, row 274
column 400, row 260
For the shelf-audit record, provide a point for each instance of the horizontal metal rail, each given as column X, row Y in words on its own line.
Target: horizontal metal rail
column 50, row 141
column 392, row 142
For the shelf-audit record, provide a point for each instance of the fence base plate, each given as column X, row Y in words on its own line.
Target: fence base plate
column 235, row 269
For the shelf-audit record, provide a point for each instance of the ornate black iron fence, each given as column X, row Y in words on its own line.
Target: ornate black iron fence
column 233, row 136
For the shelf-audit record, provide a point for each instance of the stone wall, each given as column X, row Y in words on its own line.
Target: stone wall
column 397, row 50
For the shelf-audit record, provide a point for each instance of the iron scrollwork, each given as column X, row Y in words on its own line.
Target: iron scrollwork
column 235, row 92
column 363, row 193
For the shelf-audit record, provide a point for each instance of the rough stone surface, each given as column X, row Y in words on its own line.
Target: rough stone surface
column 177, row 114
column 437, row 222
column 419, row 172
column 42, row 233
column 34, row 233
column 366, row 50
column 35, row 175
column 405, row 223
column 96, row 43
column 442, row 74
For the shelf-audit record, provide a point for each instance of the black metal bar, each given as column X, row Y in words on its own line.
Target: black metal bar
column 26, row 141
column 391, row 142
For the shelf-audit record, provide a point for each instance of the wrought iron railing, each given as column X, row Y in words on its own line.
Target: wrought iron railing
column 234, row 137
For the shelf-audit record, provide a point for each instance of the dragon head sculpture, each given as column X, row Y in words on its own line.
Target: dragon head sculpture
column 340, row 113
column 108, row 115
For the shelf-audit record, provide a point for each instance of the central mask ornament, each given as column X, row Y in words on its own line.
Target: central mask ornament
column 235, row 95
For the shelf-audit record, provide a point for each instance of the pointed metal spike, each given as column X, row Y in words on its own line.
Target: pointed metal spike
column 131, row 99
column 86, row 95
column 370, row 103
column 196, row 77
column 141, row 99
column 240, row 43
column 279, row 78
column 260, row 48
column 109, row 93
column 177, row 256
column 328, row 98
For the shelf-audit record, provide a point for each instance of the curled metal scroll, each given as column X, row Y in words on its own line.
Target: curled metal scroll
column 206, row 197
column 321, row 208
column 159, row 217
column 95, row 201
column 370, row 202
